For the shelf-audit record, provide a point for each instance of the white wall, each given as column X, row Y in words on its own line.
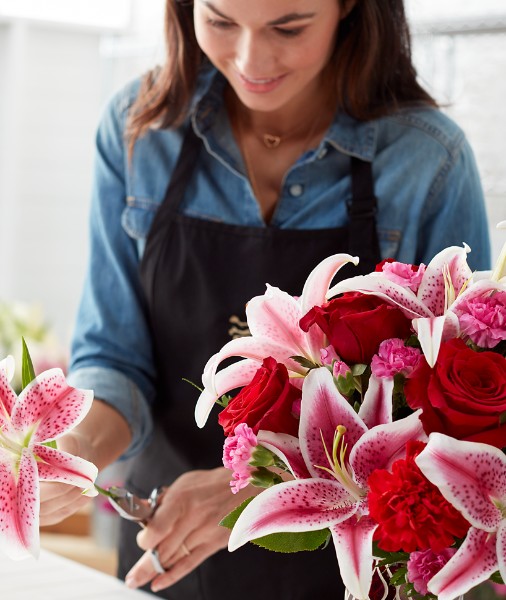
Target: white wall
column 50, row 102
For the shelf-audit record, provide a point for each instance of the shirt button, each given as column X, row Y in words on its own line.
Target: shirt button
column 322, row 153
column 296, row 190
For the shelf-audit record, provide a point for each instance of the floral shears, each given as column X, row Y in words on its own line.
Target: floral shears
column 132, row 507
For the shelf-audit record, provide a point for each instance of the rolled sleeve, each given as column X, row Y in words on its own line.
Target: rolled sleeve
column 121, row 393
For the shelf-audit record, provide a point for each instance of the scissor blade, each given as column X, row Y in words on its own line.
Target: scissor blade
column 129, row 506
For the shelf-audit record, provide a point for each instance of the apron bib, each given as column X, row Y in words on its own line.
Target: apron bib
column 197, row 276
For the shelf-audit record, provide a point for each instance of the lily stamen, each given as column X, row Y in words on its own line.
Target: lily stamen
column 338, row 468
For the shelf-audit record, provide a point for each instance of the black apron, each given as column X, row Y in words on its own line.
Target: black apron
column 198, row 276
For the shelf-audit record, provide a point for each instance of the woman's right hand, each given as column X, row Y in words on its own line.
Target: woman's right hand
column 100, row 438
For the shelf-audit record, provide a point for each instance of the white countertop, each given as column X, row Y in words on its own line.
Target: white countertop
column 53, row 577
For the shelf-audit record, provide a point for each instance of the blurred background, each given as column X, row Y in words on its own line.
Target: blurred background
column 60, row 60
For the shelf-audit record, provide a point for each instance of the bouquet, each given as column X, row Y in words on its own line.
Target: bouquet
column 374, row 412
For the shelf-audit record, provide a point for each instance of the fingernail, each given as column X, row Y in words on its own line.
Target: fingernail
column 130, row 581
column 156, row 587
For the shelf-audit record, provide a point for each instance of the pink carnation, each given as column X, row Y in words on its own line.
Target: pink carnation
column 394, row 357
column 423, row 565
column 483, row 319
column 408, row 276
column 237, row 451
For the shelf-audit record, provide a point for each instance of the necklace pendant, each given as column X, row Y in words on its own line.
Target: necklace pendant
column 271, row 141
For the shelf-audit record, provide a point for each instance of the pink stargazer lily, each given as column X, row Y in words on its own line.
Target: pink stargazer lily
column 446, row 283
column 472, row 477
column 273, row 321
column 46, row 409
column 332, row 460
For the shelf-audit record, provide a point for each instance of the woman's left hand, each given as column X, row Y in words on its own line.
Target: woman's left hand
column 185, row 528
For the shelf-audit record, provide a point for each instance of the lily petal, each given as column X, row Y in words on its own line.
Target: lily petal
column 378, row 285
column 287, row 448
column 233, row 376
column 56, row 465
column 52, row 405
column 323, row 408
column 8, row 398
column 19, row 526
column 479, row 469
column 314, row 292
column 473, row 563
column 275, row 316
column 432, row 287
column 248, row 347
column 430, row 335
column 292, row 506
column 501, row 549
column 353, row 543
column 7, row 366
column 382, row 445
column 376, row 408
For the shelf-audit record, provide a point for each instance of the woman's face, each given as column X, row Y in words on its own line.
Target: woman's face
column 272, row 52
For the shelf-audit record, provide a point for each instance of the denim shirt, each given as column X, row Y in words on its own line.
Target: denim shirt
column 425, row 177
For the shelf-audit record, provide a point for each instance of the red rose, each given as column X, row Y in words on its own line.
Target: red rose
column 356, row 324
column 464, row 395
column 265, row 403
column 411, row 511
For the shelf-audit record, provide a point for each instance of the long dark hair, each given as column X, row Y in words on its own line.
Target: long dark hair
column 373, row 74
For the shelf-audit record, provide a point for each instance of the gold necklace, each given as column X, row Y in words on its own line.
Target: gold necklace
column 245, row 154
column 271, row 140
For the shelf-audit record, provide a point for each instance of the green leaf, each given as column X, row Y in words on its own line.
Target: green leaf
column 27, row 370
column 496, row 578
column 358, row 369
column 230, row 520
column 502, row 418
column 224, row 400
column 304, row 362
column 399, row 576
column 293, row 542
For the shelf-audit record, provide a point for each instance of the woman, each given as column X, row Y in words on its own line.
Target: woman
column 277, row 133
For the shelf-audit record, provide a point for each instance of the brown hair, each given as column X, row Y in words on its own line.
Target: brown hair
column 371, row 66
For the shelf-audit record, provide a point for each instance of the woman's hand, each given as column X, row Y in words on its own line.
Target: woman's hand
column 100, row 438
column 185, row 529
column 59, row 500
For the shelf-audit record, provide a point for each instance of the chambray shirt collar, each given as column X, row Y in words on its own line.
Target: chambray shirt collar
column 347, row 135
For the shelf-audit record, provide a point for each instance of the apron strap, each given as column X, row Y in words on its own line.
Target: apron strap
column 363, row 236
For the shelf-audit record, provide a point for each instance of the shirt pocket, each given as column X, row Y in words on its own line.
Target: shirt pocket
column 137, row 218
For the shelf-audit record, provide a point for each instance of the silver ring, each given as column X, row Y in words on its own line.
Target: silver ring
column 184, row 548
column 155, row 561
